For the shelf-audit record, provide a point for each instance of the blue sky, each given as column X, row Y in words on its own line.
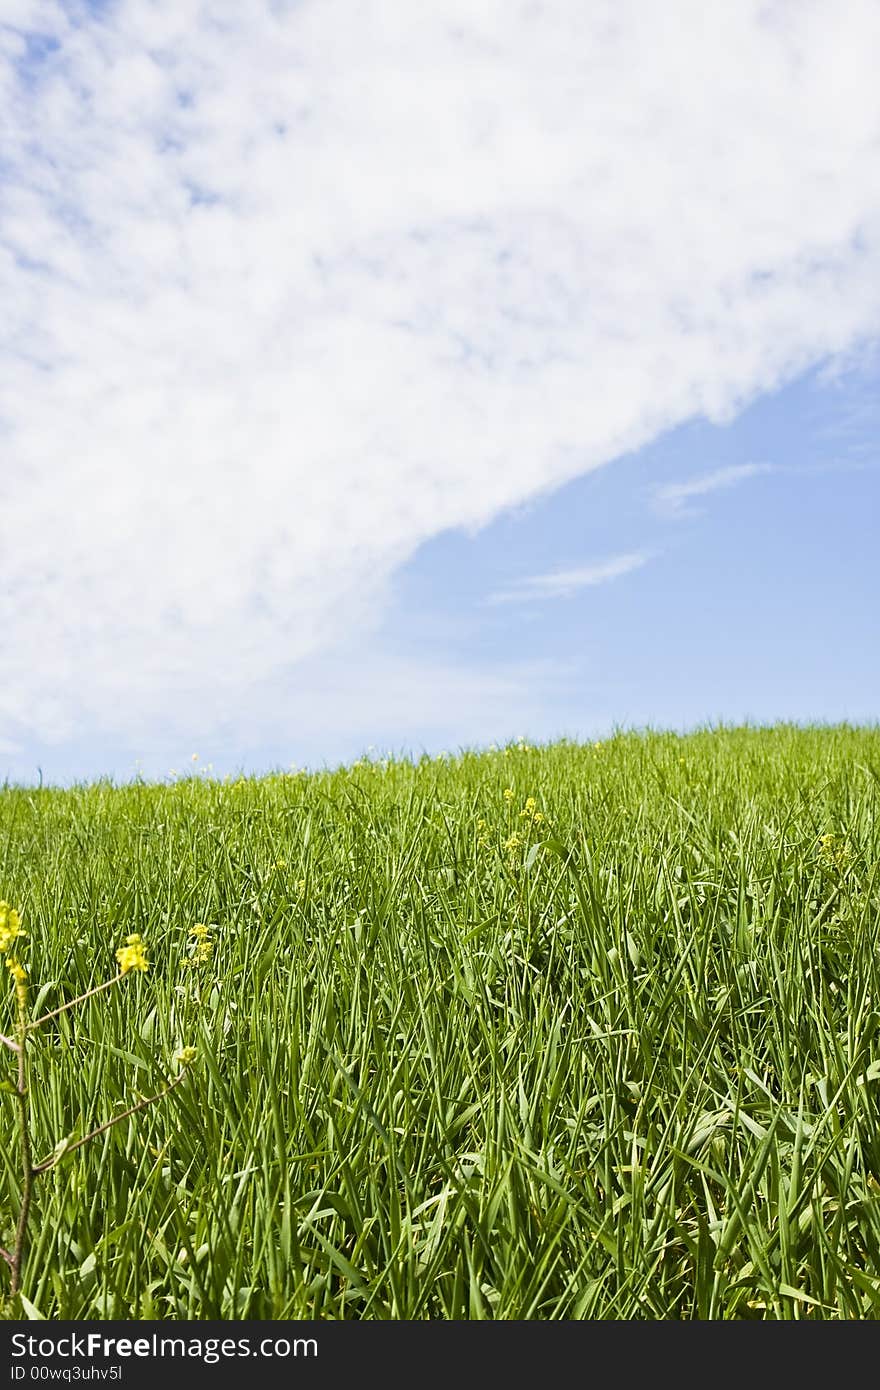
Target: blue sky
column 758, row 600
column 420, row 385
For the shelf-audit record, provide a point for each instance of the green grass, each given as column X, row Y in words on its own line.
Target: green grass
column 631, row 1073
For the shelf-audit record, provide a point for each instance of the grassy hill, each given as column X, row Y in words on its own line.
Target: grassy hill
column 569, row 1032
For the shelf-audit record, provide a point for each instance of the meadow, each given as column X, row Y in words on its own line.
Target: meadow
column 578, row 1031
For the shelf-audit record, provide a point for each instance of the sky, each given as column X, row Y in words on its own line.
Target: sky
column 404, row 378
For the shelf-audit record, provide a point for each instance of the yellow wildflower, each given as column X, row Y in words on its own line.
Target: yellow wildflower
column 538, row 817
column 131, row 956
column 19, row 975
column 10, row 926
column 186, row 1056
column 203, row 946
column 16, row 970
column 513, row 842
column 508, row 794
column 834, row 851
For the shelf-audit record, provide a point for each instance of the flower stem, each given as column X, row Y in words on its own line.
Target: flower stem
column 72, row 1003
column 27, row 1173
column 50, row 1162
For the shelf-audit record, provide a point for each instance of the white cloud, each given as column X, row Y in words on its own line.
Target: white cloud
column 564, row 583
column 673, row 498
column 289, row 288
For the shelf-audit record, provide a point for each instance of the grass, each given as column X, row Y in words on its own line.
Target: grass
column 626, row 1068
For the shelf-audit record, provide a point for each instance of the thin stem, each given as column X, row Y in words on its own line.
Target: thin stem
column 108, row 1124
column 72, row 1003
column 8, row 1042
column 26, row 1158
column 6, row 1256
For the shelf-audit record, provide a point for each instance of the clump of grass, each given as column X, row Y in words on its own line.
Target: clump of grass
column 131, row 959
column 567, row 1032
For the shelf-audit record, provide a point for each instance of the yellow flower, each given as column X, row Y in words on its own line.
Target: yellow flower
column 508, row 794
column 513, row 842
column 131, row 956
column 19, row 975
column 203, row 946
column 538, row 817
column 834, row 851
column 10, row 926
column 186, row 1056
column 301, row 885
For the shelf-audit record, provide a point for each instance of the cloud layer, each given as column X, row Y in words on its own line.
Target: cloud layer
column 289, row 288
